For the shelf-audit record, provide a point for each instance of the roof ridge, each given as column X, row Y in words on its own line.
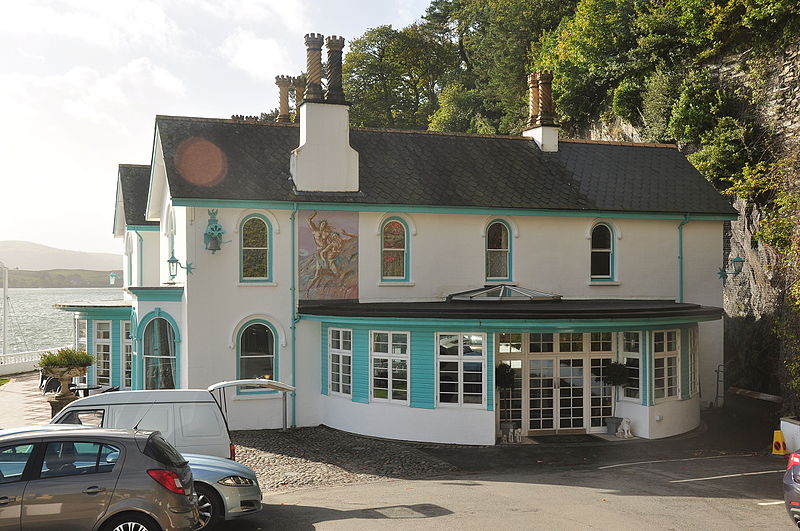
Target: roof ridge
column 618, row 143
column 134, row 165
column 223, row 120
column 439, row 133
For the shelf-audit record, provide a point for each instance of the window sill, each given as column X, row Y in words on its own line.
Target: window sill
column 258, row 284
column 395, row 284
column 604, row 283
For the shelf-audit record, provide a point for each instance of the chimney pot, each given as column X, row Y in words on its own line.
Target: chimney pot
column 335, row 92
column 313, row 91
column 299, row 83
column 283, row 83
column 547, row 115
column 533, row 99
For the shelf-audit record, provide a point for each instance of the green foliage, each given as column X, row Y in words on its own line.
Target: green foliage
column 660, row 92
column 697, row 109
column 504, row 376
column 627, row 100
column 459, row 107
column 4, row 381
column 725, row 152
column 66, row 357
column 615, row 373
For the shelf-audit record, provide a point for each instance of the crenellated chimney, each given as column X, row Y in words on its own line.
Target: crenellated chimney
column 299, row 84
column 313, row 67
column 542, row 126
column 335, row 93
column 283, row 83
column 324, row 160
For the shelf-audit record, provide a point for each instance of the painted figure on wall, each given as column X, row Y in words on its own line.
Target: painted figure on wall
column 329, row 255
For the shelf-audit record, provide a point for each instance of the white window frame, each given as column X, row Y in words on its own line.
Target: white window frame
column 627, row 354
column 557, row 344
column 98, row 360
column 592, row 341
column 460, row 358
column 694, row 342
column 342, row 353
column 390, row 358
column 665, row 356
column 127, row 355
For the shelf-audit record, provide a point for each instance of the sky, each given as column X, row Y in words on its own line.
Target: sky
column 81, row 82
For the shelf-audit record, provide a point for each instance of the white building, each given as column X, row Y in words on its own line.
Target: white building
column 386, row 273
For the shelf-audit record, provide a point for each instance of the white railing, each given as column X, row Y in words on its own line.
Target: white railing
column 21, row 361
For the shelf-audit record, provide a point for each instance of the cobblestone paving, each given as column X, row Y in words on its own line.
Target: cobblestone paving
column 320, row 456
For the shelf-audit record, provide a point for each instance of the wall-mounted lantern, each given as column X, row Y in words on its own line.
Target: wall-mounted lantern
column 214, row 231
column 737, row 263
column 174, row 264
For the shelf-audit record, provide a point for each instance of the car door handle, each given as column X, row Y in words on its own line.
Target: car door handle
column 93, row 490
column 5, row 500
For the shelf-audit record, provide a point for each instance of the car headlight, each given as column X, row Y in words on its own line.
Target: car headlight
column 236, row 481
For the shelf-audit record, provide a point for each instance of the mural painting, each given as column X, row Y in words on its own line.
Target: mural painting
column 328, row 249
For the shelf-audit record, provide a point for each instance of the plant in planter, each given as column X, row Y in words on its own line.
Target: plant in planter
column 64, row 364
column 504, row 379
column 614, row 374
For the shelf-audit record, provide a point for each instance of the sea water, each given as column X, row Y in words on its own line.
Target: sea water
column 33, row 323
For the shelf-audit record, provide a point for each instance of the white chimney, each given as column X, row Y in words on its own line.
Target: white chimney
column 324, row 160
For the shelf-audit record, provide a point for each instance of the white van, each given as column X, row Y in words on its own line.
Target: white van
column 190, row 419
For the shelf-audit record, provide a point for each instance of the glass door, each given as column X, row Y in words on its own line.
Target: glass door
column 570, row 393
column 511, row 399
column 541, row 394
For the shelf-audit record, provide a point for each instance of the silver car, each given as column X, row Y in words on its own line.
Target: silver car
column 225, row 489
column 93, row 479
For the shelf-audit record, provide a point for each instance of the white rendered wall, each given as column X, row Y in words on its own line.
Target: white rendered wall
column 640, row 418
column 676, row 417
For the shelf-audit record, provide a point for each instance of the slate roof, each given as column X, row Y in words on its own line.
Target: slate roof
column 441, row 169
column 134, row 180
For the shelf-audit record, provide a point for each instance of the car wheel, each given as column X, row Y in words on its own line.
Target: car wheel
column 209, row 506
column 131, row 522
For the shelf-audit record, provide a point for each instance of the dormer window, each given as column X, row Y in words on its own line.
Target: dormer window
column 602, row 257
column 498, row 252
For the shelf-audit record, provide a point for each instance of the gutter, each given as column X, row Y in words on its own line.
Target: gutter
column 295, row 317
column 680, row 256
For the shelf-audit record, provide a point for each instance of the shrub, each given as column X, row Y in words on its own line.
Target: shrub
column 66, row 357
column 659, row 95
column 696, row 111
column 627, row 100
column 725, row 152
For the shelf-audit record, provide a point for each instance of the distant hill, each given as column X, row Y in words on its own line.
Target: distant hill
column 61, row 278
column 35, row 257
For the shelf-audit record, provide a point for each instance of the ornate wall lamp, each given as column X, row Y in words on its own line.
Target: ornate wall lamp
column 174, row 264
column 738, row 264
column 214, row 231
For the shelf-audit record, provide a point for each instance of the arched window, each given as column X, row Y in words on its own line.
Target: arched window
column 602, row 266
column 255, row 248
column 498, row 252
column 256, row 350
column 158, row 345
column 394, row 249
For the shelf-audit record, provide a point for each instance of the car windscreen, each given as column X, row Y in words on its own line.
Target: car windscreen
column 159, row 449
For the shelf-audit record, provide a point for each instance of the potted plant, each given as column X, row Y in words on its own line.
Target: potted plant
column 64, row 364
column 614, row 374
column 504, row 379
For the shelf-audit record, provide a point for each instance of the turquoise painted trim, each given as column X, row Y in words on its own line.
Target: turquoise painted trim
column 275, row 362
column 144, row 228
column 422, row 370
column 116, row 352
column 359, row 368
column 295, row 318
column 156, row 313
column 167, row 294
column 90, row 348
column 510, row 261
column 140, row 276
column 680, row 257
column 612, row 258
column 432, row 209
column 646, row 374
column 98, row 314
column 583, row 325
column 406, row 255
column 489, row 371
column 269, row 250
column 686, row 393
column 323, row 348
column 135, row 356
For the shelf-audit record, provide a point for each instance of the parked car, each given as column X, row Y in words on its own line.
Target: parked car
column 791, row 487
column 65, row 477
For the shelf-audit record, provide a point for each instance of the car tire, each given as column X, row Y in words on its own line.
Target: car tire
column 131, row 522
column 210, row 507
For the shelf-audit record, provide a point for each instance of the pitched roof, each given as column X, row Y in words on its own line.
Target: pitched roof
column 134, row 181
column 443, row 169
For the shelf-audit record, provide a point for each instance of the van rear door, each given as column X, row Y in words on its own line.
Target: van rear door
column 201, row 429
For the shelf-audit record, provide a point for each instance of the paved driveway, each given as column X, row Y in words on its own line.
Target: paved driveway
column 719, row 492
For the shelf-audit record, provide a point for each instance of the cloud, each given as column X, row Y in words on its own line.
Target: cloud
column 262, row 59
column 291, row 14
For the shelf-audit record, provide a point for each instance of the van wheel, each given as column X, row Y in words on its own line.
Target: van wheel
column 209, row 506
column 131, row 522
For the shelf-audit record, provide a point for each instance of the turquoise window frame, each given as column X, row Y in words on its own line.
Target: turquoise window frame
column 255, row 280
column 611, row 258
column 275, row 366
column 510, row 252
column 139, row 361
column 406, row 250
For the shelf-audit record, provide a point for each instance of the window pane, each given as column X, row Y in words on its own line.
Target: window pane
column 256, row 367
column 541, row 342
column 601, row 237
column 601, row 341
column 254, row 263
column 257, row 340
column 497, row 236
column 473, row 345
column 394, row 264
column 399, row 343
column 510, row 343
column 394, row 235
column 448, row 345
column 497, row 264
column 12, row 462
column 254, row 233
column 630, row 342
column 601, row 263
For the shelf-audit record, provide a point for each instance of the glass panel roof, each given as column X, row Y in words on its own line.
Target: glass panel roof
column 502, row 292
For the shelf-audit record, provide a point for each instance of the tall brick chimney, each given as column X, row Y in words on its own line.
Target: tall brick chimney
column 299, row 84
column 313, row 67
column 283, row 83
column 542, row 126
column 335, row 93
